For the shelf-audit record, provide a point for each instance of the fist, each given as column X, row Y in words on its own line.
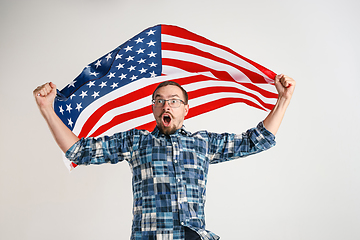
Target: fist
column 285, row 86
column 45, row 95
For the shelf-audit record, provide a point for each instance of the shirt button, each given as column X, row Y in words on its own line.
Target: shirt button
column 179, row 180
column 182, row 223
column 175, row 161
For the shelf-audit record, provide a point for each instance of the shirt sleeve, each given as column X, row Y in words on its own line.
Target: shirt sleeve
column 102, row 150
column 227, row 146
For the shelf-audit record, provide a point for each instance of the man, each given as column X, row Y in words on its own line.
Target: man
column 170, row 164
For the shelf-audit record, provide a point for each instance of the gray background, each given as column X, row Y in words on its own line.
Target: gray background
column 307, row 187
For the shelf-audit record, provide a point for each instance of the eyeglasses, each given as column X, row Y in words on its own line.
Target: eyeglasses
column 174, row 103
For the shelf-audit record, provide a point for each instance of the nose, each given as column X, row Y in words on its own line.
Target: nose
column 166, row 106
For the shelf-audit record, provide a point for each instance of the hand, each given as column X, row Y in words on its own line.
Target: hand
column 285, row 86
column 45, row 95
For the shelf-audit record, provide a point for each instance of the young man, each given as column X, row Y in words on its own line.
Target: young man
column 170, row 164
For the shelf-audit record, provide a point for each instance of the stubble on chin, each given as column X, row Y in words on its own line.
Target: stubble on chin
column 167, row 130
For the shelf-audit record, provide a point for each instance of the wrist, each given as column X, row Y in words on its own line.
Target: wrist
column 283, row 101
column 47, row 111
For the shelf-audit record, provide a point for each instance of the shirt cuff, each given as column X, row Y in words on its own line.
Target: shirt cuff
column 71, row 152
column 268, row 136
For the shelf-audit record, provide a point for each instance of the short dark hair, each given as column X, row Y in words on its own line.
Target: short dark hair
column 166, row 83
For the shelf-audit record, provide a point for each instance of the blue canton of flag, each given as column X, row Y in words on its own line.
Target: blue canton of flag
column 139, row 57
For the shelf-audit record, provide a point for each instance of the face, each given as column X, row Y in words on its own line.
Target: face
column 168, row 119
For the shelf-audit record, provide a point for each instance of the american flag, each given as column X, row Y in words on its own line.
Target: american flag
column 113, row 93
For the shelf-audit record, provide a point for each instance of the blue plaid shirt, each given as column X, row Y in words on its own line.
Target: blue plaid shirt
column 169, row 173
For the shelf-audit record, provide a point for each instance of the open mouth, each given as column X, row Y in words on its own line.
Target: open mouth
column 166, row 118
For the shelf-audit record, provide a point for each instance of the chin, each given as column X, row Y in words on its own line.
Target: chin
column 167, row 130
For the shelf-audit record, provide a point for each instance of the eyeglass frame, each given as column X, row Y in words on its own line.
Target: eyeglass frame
column 181, row 101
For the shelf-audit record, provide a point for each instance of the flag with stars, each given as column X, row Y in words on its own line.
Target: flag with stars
column 113, row 93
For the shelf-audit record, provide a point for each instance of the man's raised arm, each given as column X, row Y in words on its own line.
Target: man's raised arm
column 285, row 87
column 44, row 96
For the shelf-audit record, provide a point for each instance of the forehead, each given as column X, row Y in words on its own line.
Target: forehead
column 168, row 92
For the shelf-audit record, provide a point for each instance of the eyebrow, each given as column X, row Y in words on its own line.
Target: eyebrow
column 175, row 95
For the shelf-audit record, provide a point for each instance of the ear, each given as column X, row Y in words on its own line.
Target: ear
column 186, row 109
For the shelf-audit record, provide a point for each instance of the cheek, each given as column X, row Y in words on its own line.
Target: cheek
column 179, row 115
column 155, row 111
